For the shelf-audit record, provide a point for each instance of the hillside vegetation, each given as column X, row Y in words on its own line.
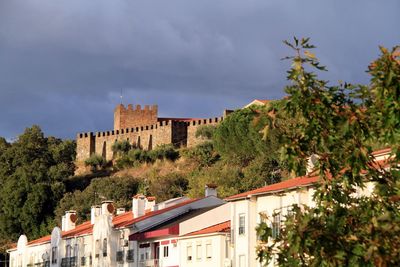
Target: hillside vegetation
column 38, row 185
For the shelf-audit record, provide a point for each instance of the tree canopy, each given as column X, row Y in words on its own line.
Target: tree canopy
column 32, row 173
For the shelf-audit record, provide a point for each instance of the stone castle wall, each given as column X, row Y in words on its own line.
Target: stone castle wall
column 134, row 117
column 144, row 137
column 143, row 129
column 192, row 140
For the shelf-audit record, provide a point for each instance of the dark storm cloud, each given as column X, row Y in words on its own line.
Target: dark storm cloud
column 63, row 63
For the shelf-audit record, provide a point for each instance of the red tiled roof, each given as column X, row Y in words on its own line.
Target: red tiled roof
column 41, row 240
column 291, row 183
column 303, row 180
column 217, row 228
column 81, row 229
column 122, row 220
column 265, row 101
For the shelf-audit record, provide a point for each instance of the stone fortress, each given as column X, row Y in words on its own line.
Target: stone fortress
column 143, row 129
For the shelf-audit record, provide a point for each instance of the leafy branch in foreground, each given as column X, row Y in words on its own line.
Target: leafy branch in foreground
column 339, row 124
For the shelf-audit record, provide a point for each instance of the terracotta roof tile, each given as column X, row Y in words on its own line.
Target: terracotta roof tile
column 119, row 221
column 217, row 228
column 303, row 180
column 291, row 183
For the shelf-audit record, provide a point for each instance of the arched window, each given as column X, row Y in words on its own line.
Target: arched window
column 105, row 247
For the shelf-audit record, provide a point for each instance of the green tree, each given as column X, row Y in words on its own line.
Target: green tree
column 118, row 189
column 339, row 124
column 32, row 173
column 238, row 138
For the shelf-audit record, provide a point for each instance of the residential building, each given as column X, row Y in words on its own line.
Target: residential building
column 275, row 201
column 104, row 240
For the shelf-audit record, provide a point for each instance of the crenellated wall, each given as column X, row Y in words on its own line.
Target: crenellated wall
column 144, row 137
column 143, row 129
column 193, row 125
column 127, row 117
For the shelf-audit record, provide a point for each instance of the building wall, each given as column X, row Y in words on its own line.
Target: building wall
column 215, row 216
column 28, row 255
column 218, row 254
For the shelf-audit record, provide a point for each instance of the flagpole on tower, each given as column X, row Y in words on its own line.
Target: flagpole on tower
column 121, row 96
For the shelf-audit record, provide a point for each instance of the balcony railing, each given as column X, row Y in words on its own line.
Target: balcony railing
column 42, row 264
column 120, row 256
column 68, row 262
column 130, row 255
column 150, row 263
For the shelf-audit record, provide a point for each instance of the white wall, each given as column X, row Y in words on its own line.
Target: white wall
column 216, row 258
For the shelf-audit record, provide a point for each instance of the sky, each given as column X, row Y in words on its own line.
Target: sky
column 63, row 63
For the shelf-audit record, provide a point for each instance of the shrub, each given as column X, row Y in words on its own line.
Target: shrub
column 163, row 152
column 121, row 147
column 205, row 131
column 95, row 161
column 203, row 153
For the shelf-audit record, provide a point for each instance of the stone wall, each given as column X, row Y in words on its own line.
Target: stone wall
column 192, row 140
column 134, row 117
column 144, row 137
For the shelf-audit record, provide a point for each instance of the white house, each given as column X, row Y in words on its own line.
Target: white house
column 274, row 201
column 104, row 240
column 196, row 238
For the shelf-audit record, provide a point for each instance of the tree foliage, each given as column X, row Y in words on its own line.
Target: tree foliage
column 238, row 139
column 339, row 124
column 32, row 173
column 118, row 189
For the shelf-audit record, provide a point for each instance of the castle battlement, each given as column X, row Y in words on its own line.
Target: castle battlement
column 142, row 128
column 206, row 121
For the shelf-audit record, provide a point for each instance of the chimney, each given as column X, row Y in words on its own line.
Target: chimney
column 107, row 207
column 138, row 204
column 211, row 190
column 150, row 203
column 95, row 211
column 312, row 164
column 120, row 211
column 69, row 220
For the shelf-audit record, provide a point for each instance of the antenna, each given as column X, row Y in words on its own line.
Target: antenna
column 121, row 96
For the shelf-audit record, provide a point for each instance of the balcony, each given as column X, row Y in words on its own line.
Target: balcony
column 150, row 263
column 39, row 264
column 68, row 262
column 130, row 256
column 120, row 256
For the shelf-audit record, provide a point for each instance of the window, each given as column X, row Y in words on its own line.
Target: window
column 242, row 224
column 97, row 249
column 129, row 255
column 76, row 249
column 54, row 255
column 189, row 252
column 276, row 225
column 166, row 251
column 208, row 251
column 105, row 247
column 198, row 252
column 68, row 251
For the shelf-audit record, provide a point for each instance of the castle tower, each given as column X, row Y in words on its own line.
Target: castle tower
column 134, row 117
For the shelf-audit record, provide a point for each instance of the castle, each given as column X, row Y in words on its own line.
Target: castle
column 143, row 129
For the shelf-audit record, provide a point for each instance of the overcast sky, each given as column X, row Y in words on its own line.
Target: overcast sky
column 63, row 63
